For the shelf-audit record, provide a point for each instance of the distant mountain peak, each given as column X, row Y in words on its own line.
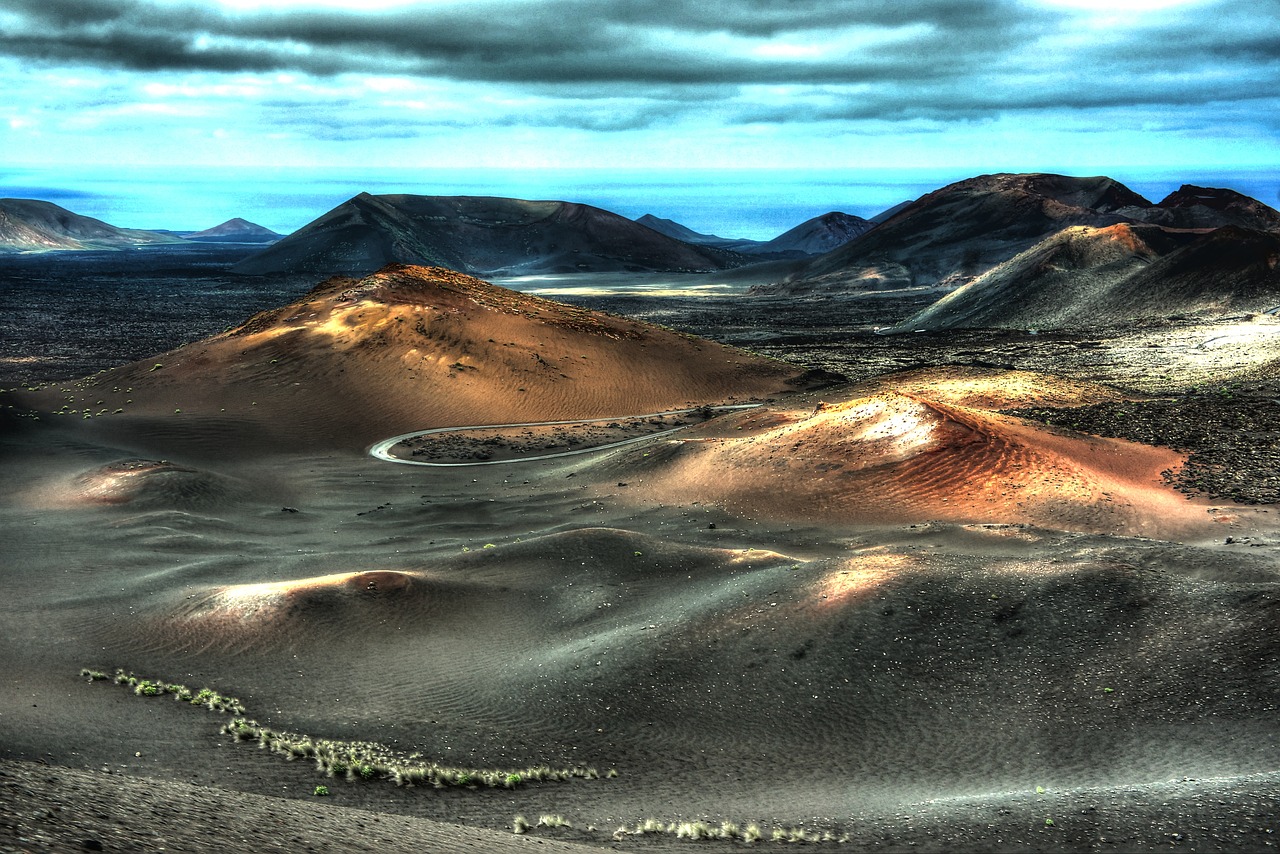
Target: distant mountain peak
column 235, row 230
column 31, row 225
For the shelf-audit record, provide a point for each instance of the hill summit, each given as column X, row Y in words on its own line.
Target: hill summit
column 409, row 348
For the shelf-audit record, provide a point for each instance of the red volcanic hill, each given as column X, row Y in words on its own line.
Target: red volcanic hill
column 31, row 225
column 479, row 235
column 954, row 234
column 404, row 349
column 891, row 457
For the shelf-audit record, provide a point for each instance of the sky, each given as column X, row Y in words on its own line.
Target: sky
column 241, row 98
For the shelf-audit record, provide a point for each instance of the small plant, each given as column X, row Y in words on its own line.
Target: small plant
column 694, row 830
column 320, row 791
column 93, row 675
column 519, row 825
column 553, row 821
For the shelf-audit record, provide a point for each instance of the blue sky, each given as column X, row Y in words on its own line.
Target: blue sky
column 947, row 87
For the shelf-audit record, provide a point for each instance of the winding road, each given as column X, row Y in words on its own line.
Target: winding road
column 382, row 450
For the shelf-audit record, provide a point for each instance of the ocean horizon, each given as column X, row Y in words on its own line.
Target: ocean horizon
column 755, row 204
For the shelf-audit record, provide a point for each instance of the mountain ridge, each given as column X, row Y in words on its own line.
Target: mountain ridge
column 34, row 225
column 480, row 235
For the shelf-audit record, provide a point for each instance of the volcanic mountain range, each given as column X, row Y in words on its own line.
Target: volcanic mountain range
column 1005, row 250
column 955, row 234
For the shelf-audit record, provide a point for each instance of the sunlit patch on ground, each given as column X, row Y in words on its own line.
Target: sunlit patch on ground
column 859, row 577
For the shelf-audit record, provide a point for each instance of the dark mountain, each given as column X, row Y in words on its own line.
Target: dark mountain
column 30, row 225
column 1104, row 276
column 486, row 235
column 675, row 230
column 1227, row 270
column 811, row 237
column 891, row 212
column 235, row 231
column 819, row 235
column 1206, row 207
column 957, row 233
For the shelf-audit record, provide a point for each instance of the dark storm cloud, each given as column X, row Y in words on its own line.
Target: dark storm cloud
column 924, row 59
column 562, row 41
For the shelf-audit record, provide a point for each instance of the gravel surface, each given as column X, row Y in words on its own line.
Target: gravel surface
column 1231, row 431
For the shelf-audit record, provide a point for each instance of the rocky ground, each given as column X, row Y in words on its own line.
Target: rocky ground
column 1231, row 431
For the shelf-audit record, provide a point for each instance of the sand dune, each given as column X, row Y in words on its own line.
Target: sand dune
column 271, row 615
column 991, row 388
column 407, row 348
column 895, row 456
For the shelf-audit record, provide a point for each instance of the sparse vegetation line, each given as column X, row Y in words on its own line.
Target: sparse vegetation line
column 354, row 760
column 382, row 450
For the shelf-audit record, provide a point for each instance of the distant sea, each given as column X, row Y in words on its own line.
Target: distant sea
column 757, row 204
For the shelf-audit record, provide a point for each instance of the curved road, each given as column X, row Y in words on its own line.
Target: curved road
column 382, row 450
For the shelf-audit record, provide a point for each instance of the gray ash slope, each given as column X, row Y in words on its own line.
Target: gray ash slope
column 480, row 235
column 1087, row 276
column 32, row 225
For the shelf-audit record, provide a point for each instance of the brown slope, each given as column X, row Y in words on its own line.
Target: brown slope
column 892, row 457
column 479, row 235
column 955, row 234
column 411, row 348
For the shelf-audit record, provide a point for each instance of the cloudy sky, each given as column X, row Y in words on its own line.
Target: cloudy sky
column 965, row 86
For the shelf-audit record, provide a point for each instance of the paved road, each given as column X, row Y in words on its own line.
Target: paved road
column 382, row 450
